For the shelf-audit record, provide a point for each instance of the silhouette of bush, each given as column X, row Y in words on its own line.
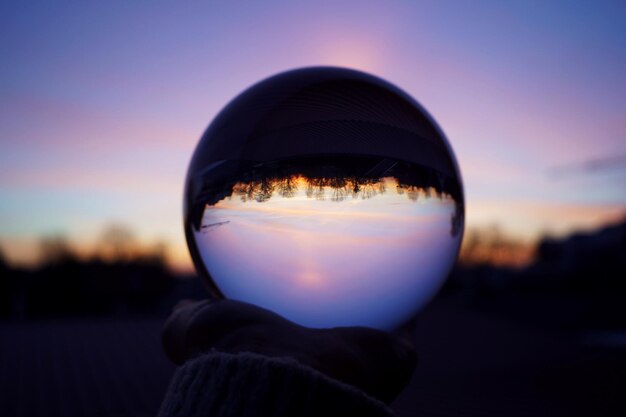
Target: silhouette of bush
column 96, row 287
column 6, row 288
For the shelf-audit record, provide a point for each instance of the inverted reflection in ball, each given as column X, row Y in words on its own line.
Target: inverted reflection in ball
column 328, row 196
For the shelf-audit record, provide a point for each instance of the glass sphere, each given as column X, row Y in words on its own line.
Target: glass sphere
column 328, row 196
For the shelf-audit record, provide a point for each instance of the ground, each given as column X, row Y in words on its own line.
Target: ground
column 472, row 363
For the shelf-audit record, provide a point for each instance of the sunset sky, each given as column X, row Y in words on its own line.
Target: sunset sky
column 101, row 106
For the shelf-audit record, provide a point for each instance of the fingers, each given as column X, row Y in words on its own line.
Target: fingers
column 227, row 325
column 380, row 363
column 186, row 302
column 175, row 329
column 405, row 364
column 404, row 345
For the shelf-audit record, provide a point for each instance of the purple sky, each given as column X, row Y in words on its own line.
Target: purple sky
column 101, row 106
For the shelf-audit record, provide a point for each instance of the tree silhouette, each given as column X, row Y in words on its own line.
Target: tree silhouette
column 3, row 263
column 247, row 191
column 315, row 188
column 266, row 189
column 287, row 187
column 6, row 287
column 55, row 250
column 339, row 188
column 262, row 189
column 412, row 192
column 118, row 242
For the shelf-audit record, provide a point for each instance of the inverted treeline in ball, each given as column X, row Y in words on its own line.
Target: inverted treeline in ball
column 328, row 196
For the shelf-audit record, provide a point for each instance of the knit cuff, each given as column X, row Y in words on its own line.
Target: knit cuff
column 246, row 384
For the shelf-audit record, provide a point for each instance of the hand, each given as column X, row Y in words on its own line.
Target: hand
column 377, row 362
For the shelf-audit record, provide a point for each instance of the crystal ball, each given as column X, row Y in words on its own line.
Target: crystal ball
column 328, row 196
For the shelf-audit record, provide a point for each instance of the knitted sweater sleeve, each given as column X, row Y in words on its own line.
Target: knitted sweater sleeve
column 245, row 384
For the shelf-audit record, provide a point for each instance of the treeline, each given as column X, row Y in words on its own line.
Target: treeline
column 340, row 176
column 333, row 177
column 575, row 282
column 331, row 188
column 119, row 278
column 584, row 263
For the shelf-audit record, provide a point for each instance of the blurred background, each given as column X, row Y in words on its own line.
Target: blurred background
column 101, row 107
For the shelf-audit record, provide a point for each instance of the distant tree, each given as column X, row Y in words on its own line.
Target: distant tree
column 492, row 246
column 288, row 186
column 266, row 190
column 157, row 253
column 55, row 250
column 118, row 242
column 315, row 188
column 247, row 191
column 3, row 263
column 6, row 287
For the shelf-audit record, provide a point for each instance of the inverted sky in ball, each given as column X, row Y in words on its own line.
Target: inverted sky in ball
column 328, row 196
